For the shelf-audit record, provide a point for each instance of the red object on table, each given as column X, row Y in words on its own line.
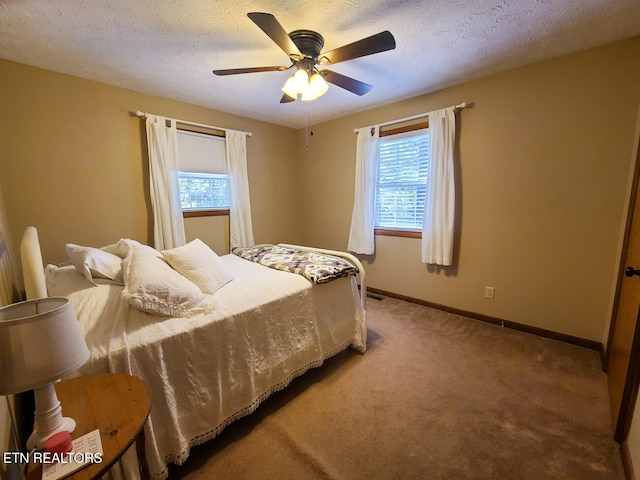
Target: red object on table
column 59, row 443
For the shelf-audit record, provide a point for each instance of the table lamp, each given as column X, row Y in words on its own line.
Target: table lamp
column 40, row 342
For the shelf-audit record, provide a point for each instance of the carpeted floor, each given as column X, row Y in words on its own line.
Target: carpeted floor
column 436, row 396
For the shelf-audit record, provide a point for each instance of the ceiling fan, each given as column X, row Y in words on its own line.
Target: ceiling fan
column 304, row 48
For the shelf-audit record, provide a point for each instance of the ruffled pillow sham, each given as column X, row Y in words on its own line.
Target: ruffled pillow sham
column 201, row 265
column 152, row 286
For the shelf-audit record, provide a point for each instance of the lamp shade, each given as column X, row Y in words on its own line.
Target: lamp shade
column 40, row 342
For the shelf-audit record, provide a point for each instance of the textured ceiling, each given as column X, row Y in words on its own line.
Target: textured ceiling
column 169, row 47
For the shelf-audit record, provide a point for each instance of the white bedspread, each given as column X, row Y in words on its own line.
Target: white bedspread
column 265, row 328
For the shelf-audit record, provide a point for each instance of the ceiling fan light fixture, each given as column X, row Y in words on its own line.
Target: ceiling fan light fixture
column 297, row 83
column 289, row 88
column 304, row 49
column 301, row 80
column 317, row 87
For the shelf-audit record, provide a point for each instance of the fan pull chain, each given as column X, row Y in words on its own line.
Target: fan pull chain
column 306, row 124
column 307, row 133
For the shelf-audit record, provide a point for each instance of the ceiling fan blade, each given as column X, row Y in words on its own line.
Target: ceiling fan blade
column 269, row 25
column 348, row 83
column 286, row 99
column 235, row 71
column 380, row 42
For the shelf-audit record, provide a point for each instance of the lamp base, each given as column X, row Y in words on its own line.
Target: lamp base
column 37, row 439
column 48, row 417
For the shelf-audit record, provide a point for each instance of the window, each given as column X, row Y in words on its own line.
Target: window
column 401, row 182
column 203, row 191
column 202, row 177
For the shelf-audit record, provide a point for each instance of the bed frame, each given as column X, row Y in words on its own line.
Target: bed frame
column 32, row 266
column 8, row 282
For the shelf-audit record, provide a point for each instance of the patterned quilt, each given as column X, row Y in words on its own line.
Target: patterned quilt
column 316, row 267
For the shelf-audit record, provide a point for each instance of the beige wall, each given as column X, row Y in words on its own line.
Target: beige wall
column 544, row 160
column 73, row 162
column 214, row 231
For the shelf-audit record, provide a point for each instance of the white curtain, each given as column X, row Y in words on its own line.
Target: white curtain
column 240, row 227
column 439, row 208
column 361, row 237
column 162, row 141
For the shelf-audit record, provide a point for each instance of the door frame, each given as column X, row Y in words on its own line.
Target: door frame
column 632, row 380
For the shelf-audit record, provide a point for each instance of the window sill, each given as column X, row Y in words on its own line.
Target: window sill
column 397, row 233
column 204, row 213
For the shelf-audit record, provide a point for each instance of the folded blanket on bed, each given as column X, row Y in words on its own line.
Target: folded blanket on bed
column 314, row 266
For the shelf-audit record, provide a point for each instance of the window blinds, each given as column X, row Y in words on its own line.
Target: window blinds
column 202, row 179
column 198, row 152
column 401, row 182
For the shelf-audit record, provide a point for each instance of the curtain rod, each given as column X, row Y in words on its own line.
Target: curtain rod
column 420, row 115
column 193, row 124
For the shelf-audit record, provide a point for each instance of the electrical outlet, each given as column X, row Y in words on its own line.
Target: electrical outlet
column 490, row 292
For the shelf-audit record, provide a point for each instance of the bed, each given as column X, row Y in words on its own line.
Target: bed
column 209, row 364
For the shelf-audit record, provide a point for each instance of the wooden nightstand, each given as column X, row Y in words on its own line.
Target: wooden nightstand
column 116, row 404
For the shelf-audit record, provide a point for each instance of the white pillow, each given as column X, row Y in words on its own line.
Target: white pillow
column 121, row 247
column 95, row 263
column 152, row 286
column 200, row 264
